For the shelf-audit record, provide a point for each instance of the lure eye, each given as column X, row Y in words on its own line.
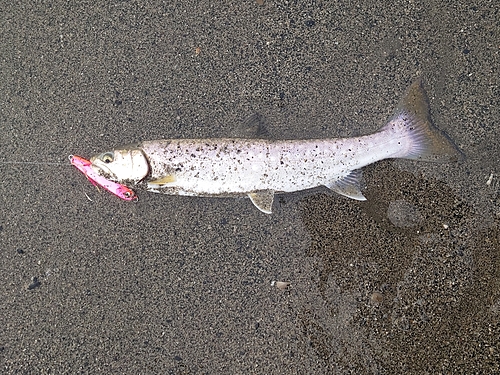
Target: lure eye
column 107, row 157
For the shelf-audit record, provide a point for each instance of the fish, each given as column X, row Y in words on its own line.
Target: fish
column 96, row 179
column 261, row 168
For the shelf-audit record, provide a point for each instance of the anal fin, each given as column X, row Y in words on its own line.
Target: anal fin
column 349, row 186
column 263, row 200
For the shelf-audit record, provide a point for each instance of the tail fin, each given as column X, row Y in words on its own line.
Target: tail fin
column 412, row 120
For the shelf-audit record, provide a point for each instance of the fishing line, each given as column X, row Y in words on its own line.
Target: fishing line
column 36, row 162
column 32, row 163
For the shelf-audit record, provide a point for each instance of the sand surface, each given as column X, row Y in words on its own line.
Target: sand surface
column 407, row 282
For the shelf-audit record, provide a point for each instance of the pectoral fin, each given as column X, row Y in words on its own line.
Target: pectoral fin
column 162, row 181
column 349, row 186
column 263, row 200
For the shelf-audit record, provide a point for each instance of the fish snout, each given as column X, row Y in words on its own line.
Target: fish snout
column 102, row 169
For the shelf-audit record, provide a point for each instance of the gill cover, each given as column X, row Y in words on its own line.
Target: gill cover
column 127, row 163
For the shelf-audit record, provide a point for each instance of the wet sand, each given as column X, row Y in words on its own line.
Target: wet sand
column 407, row 282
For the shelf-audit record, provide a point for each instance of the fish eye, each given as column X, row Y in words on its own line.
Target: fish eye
column 107, row 157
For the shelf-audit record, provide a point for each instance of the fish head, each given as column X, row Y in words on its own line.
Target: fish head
column 123, row 164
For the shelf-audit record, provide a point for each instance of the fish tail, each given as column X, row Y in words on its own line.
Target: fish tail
column 412, row 124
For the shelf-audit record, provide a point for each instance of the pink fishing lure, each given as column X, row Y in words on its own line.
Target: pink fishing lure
column 85, row 166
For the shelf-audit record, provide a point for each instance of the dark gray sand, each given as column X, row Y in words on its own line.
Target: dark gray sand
column 407, row 282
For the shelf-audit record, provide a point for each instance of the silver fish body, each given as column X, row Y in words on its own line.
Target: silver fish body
column 224, row 167
column 259, row 168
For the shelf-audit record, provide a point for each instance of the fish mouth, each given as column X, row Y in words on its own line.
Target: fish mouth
column 102, row 169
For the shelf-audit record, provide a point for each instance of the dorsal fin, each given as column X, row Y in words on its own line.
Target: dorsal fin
column 254, row 126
